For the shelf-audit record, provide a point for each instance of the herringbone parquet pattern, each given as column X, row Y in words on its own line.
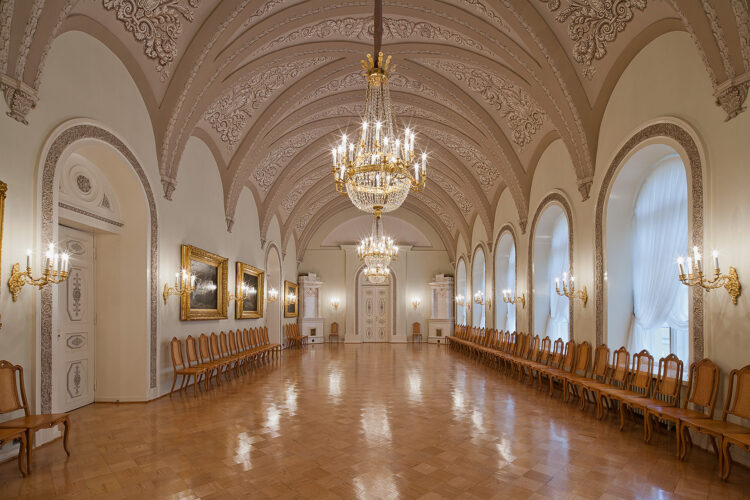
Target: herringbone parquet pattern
column 365, row 421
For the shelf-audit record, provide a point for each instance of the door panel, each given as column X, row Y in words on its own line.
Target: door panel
column 74, row 381
column 375, row 313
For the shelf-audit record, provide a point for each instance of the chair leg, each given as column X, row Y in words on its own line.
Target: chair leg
column 29, row 447
column 66, row 432
column 622, row 416
column 174, row 381
column 727, row 459
column 22, row 456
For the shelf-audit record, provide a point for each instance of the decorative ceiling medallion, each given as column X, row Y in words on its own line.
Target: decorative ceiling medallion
column 83, row 183
column 593, row 24
column 229, row 115
column 156, row 23
column 523, row 114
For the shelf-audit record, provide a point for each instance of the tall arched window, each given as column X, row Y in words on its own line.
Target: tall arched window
column 477, row 280
column 660, row 235
column 551, row 260
column 461, row 291
column 505, row 278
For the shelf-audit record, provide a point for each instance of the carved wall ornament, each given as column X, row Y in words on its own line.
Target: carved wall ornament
column 302, row 221
column 584, row 187
column 453, row 191
column 523, row 114
column 732, row 99
column 155, row 23
column 487, row 173
column 19, row 97
column 274, row 162
column 592, row 24
column 229, row 115
column 291, row 199
column 6, row 17
column 437, row 209
column 168, row 185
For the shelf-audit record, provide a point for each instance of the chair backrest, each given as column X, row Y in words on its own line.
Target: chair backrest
column 265, row 335
column 583, row 359
column 416, row 327
column 192, row 351
column 738, row 393
column 535, row 347
column 233, row 342
column 175, row 349
column 523, row 346
column 9, row 388
column 545, row 352
column 669, row 381
column 223, row 344
column 703, row 385
column 334, row 327
column 215, row 352
column 618, row 375
column 557, row 353
column 642, row 374
column 569, row 356
column 246, row 338
column 204, row 350
column 601, row 363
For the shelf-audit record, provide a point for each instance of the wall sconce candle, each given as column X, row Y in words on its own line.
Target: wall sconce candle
column 695, row 276
column 508, row 298
column 244, row 292
column 569, row 289
column 55, row 271
column 480, row 299
column 273, row 296
column 335, row 303
column 415, row 301
column 460, row 300
column 183, row 285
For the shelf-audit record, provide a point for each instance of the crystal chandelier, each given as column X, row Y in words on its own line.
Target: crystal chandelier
column 377, row 251
column 378, row 171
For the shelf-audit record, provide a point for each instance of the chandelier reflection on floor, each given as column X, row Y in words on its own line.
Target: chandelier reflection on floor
column 378, row 171
column 377, row 251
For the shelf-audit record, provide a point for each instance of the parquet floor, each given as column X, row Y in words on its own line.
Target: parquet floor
column 366, row 421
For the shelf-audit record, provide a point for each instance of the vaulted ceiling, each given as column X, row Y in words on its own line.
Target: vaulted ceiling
column 270, row 84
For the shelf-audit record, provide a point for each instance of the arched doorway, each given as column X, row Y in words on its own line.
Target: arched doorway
column 94, row 194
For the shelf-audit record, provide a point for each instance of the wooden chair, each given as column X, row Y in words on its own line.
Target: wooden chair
column 560, row 374
column 578, row 386
column 233, row 359
column 580, row 370
column 274, row 347
column 617, row 378
column 666, row 391
column 736, row 403
column 702, row 390
column 236, row 349
column 416, row 331
column 183, row 369
column 555, row 361
column 638, row 385
column 544, row 356
column 7, row 436
column 216, row 355
column 334, row 332
column 204, row 350
column 194, row 359
column 11, row 385
column 533, row 357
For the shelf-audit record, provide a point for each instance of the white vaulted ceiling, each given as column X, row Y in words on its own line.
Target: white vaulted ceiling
column 269, row 84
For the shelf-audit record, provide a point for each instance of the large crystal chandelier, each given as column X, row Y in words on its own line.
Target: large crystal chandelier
column 377, row 251
column 378, row 171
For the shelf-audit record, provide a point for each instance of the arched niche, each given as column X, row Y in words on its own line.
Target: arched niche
column 478, row 282
column 461, row 290
column 505, row 278
column 643, row 148
column 134, row 375
column 553, row 214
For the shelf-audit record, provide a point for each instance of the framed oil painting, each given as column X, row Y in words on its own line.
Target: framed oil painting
column 209, row 298
column 290, row 304
column 252, row 306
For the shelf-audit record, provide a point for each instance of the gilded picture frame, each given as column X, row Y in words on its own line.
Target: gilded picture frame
column 209, row 299
column 290, row 307
column 252, row 307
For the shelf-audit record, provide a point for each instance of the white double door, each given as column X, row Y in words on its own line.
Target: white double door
column 375, row 313
column 74, row 347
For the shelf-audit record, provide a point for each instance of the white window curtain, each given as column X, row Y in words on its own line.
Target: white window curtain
column 660, row 236
column 559, row 263
column 510, row 284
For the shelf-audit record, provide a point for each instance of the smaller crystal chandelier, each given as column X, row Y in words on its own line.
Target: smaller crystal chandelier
column 377, row 251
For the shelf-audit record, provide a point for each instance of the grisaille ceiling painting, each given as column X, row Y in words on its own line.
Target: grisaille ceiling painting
column 270, row 84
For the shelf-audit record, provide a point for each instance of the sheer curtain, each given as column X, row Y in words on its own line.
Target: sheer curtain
column 510, row 284
column 660, row 236
column 559, row 263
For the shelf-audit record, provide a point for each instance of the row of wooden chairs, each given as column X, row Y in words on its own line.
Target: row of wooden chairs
column 294, row 337
column 631, row 385
column 213, row 355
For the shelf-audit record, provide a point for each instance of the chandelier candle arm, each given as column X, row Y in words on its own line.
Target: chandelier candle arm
column 695, row 277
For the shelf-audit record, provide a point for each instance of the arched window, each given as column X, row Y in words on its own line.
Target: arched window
column 660, row 320
column 477, row 280
column 505, row 278
column 551, row 247
column 461, row 293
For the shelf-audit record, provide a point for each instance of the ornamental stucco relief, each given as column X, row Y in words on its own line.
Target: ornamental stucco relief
column 155, row 23
column 275, row 161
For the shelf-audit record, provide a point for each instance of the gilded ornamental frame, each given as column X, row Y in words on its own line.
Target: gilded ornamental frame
column 243, row 272
column 209, row 299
